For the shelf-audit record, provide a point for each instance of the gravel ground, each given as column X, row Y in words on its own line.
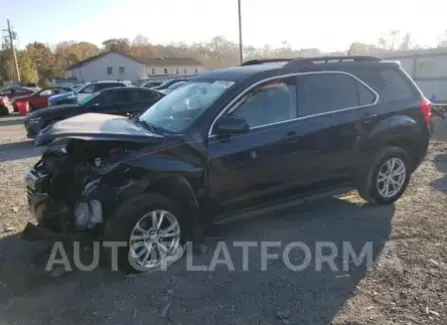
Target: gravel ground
column 407, row 284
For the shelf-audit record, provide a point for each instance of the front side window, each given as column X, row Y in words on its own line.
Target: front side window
column 329, row 92
column 90, row 89
column 179, row 109
column 46, row 92
column 20, row 91
column 272, row 102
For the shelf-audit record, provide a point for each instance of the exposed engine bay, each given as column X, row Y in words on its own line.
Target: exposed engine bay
column 68, row 174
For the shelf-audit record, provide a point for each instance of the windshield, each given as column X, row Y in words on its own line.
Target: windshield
column 87, row 99
column 181, row 108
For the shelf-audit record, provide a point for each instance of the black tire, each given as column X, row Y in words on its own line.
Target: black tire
column 367, row 181
column 4, row 111
column 120, row 226
column 30, row 108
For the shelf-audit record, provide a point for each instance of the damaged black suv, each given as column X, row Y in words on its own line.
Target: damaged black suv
column 230, row 142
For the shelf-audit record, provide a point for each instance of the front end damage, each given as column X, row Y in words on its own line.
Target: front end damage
column 75, row 186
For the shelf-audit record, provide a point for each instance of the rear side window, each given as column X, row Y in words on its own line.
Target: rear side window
column 145, row 96
column 122, row 96
column 391, row 84
column 396, row 87
column 329, row 92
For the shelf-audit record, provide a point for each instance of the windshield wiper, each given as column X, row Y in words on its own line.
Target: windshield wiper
column 145, row 124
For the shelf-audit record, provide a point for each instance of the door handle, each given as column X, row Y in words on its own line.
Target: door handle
column 368, row 117
column 292, row 136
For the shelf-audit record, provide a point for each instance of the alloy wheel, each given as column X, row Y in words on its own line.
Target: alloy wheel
column 154, row 239
column 391, row 177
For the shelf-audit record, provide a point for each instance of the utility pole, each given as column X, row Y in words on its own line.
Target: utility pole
column 12, row 36
column 241, row 47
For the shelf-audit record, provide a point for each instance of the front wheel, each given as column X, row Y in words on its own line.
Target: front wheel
column 386, row 179
column 153, row 228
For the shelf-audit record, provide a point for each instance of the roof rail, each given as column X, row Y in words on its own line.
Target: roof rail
column 262, row 61
column 326, row 59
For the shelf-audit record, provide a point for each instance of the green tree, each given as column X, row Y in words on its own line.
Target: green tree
column 43, row 59
column 118, row 44
column 27, row 67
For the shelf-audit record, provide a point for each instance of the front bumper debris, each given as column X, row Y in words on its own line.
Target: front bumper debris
column 34, row 233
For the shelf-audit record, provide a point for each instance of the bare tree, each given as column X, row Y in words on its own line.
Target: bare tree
column 442, row 39
column 406, row 42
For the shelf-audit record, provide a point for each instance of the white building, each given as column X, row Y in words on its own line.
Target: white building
column 114, row 65
column 427, row 67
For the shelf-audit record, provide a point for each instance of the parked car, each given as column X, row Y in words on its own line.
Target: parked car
column 174, row 86
column 16, row 91
column 66, row 98
column 91, row 88
column 169, row 83
column 38, row 99
column 119, row 100
column 231, row 142
column 95, row 87
column 151, row 84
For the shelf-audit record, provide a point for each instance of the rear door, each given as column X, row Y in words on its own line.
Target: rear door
column 334, row 108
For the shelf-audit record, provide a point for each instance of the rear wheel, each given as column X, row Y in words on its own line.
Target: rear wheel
column 385, row 180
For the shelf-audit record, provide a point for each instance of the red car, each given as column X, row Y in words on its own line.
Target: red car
column 12, row 92
column 38, row 99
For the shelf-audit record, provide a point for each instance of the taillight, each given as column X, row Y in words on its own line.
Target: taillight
column 426, row 110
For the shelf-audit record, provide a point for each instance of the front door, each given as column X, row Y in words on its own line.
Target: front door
column 256, row 168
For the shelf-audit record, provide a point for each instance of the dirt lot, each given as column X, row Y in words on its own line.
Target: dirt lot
column 408, row 284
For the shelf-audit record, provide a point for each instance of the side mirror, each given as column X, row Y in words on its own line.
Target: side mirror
column 227, row 125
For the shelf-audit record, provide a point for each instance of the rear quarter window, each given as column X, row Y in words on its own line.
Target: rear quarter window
column 390, row 82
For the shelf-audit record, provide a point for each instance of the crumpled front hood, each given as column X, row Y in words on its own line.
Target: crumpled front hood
column 98, row 127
